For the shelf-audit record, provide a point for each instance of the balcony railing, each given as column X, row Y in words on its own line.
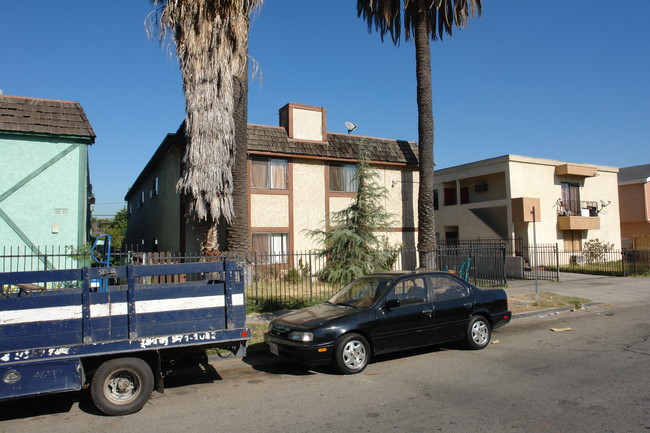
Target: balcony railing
column 577, row 208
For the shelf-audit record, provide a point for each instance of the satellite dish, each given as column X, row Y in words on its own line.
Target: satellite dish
column 351, row 126
column 603, row 204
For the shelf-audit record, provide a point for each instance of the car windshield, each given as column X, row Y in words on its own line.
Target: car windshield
column 361, row 293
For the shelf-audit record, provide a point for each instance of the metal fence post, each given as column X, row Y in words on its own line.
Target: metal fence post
column 557, row 262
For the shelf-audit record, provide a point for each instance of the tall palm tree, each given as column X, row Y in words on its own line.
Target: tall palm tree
column 211, row 40
column 423, row 19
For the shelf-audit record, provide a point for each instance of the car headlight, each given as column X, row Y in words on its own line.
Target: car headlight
column 301, row 336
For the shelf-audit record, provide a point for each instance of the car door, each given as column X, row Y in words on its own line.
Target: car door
column 453, row 305
column 409, row 324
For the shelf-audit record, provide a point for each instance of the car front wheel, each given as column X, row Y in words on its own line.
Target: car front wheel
column 352, row 353
column 478, row 333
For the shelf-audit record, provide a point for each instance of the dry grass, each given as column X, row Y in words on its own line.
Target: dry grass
column 524, row 303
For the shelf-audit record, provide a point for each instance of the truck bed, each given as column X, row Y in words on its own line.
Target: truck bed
column 70, row 323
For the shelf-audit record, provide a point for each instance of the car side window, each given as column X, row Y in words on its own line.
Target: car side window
column 444, row 288
column 411, row 291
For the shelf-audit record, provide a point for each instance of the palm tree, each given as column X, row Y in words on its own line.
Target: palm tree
column 211, row 40
column 423, row 19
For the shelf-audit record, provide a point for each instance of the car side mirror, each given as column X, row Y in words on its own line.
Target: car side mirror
column 391, row 303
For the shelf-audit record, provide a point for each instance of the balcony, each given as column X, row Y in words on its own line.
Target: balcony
column 578, row 215
column 572, row 222
column 575, row 170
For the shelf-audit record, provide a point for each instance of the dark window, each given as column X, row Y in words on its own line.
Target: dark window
column 464, row 195
column 450, row 196
column 411, row 291
column 445, row 289
column 570, row 198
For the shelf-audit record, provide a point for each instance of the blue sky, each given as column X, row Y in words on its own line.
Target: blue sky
column 554, row 79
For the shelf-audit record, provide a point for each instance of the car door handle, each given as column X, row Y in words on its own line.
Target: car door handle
column 468, row 305
column 427, row 312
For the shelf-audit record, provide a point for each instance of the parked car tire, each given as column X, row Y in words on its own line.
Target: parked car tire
column 478, row 333
column 352, row 353
column 122, row 386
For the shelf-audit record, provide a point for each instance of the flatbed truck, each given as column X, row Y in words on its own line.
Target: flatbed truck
column 60, row 332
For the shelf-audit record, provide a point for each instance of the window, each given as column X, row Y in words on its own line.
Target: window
column 570, row 198
column 450, row 196
column 444, row 289
column 154, row 191
column 271, row 246
column 141, row 198
column 343, row 178
column 269, row 173
column 411, row 291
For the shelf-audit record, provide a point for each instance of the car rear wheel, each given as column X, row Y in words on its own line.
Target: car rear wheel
column 352, row 353
column 478, row 332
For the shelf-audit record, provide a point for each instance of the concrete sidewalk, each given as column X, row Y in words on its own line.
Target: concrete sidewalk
column 597, row 288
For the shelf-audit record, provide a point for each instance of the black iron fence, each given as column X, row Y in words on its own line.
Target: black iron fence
column 294, row 279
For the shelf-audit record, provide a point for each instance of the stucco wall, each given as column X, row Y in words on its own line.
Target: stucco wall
column 270, row 210
column 525, row 177
column 158, row 218
column 308, row 201
column 50, row 209
column 307, row 124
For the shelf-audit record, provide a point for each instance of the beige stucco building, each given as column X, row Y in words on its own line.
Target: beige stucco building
column 298, row 173
column 495, row 198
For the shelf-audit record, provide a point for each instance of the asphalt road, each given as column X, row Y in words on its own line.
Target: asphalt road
column 592, row 378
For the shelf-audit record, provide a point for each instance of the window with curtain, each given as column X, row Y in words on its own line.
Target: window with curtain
column 271, row 247
column 269, row 173
column 342, row 178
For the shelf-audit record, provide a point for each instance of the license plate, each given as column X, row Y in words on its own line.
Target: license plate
column 273, row 348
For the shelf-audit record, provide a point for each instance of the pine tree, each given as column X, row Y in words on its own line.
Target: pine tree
column 352, row 245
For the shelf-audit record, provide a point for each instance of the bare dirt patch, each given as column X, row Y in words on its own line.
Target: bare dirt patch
column 547, row 300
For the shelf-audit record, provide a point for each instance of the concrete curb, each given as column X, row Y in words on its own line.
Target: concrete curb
column 554, row 311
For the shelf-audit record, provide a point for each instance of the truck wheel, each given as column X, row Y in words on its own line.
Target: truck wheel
column 122, row 386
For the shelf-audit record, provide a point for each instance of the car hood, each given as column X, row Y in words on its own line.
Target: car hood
column 314, row 316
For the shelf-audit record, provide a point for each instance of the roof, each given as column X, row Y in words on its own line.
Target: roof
column 274, row 139
column 22, row 115
column 509, row 158
column 634, row 174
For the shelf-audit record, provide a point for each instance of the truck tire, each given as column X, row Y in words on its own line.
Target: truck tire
column 122, row 386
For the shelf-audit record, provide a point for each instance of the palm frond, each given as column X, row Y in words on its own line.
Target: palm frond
column 386, row 16
column 211, row 39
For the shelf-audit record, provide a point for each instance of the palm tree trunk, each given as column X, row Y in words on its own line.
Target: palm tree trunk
column 237, row 232
column 426, row 219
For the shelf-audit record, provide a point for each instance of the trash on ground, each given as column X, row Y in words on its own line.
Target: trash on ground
column 561, row 329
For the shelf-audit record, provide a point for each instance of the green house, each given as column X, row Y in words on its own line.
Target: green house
column 45, row 189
